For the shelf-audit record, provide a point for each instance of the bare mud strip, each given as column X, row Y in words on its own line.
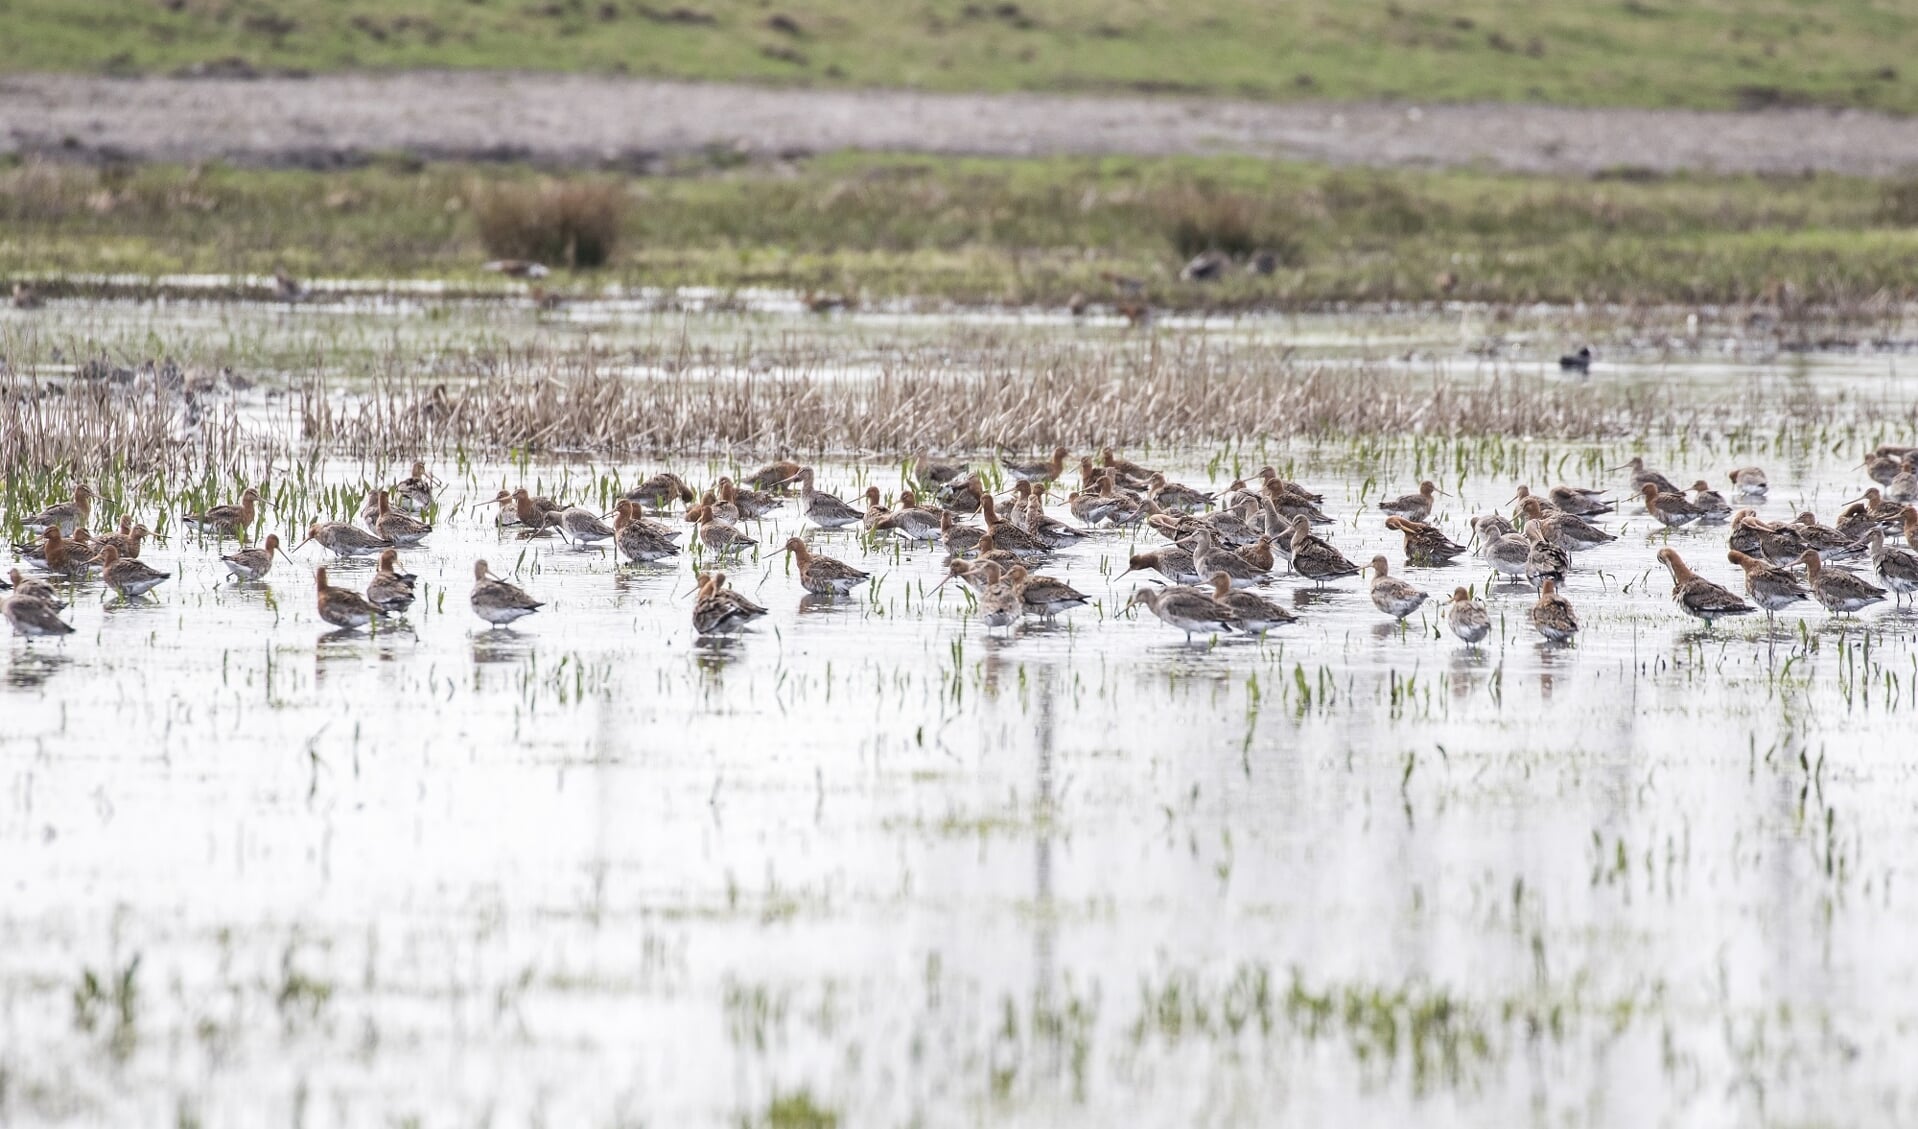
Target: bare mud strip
column 582, row 120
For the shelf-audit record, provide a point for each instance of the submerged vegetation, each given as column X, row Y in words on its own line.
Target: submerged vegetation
column 988, row 231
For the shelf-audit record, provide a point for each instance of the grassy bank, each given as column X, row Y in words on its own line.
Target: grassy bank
column 1013, row 231
column 1700, row 53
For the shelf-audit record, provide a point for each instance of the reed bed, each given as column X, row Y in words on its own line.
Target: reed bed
column 1182, row 391
column 964, row 394
column 101, row 427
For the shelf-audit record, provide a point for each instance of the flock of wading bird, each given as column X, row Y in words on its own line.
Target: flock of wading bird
column 1218, row 547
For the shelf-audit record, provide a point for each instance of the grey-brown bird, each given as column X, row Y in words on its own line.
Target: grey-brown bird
column 1697, row 596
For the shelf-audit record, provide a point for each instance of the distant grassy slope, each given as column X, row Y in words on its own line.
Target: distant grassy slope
column 1694, row 53
column 1017, row 231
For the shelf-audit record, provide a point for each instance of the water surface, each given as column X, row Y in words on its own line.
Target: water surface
column 870, row 858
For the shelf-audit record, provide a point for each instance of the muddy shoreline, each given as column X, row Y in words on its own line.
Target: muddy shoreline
column 589, row 121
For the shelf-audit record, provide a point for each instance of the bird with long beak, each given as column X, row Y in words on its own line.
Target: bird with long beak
column 1897, row 567
column 535, row 513
column 128, row 576
column 415, row 491
column 33, row 617
column 1416, row 506
column 69, row 516
column 498, row 602
column 1697, row 596
column 342, row 607
column 1552, row 615
column 342, row 539
column 1769, row 586
column 1841, row 592
column 1468, row 618
column 391, row 590
column 254, row 563
column 824, row 576
column 1187, row 609
column 226, row 521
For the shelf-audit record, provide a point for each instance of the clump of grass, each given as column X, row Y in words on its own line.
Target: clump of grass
column 1379, row 205
column 1898, row 203
column 571, row 223
column 1200, row 217
column 795, row 1110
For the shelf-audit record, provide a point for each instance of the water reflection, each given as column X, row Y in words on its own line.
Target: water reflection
column 1701, row 637
column 714, row 653
column 1552, row 654
column 1042, row 629
column 395, row 639
column 652, row 578
column 341, row 649
column 813, row 604
column 1204, row 657
column 1898, row 619
column 993, row 668
column 501, row 645
column 1078, row 797
column 145, row 604
column 31, row 667
column 1467, row 667
column 1045, row 923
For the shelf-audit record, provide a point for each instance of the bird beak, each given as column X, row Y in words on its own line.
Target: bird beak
column 303, row 541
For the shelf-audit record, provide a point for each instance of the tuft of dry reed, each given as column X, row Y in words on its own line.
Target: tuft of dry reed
column 571, row 223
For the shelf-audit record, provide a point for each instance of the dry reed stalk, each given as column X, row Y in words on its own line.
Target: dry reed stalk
column 1187, row 391
column 47, row 426
column 977, row 393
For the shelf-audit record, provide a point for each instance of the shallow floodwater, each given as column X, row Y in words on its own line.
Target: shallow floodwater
column 874, row 860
